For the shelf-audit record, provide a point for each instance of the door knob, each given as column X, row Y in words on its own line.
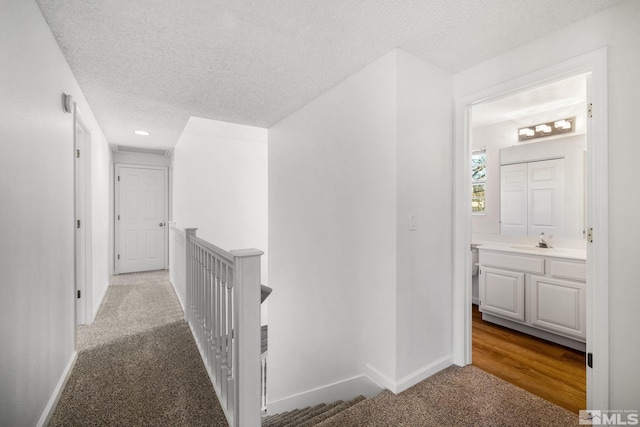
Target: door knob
column 161, row 224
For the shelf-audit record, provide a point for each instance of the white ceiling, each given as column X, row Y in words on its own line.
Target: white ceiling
column 151, row 64
column 566, row 94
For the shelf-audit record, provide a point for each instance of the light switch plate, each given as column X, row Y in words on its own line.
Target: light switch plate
column 412, row 221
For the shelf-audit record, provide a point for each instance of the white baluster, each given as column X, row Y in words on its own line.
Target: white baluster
column 207, row 305
column 188, row 273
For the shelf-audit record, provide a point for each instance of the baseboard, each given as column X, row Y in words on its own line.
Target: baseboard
column 175, row 289
column 97, row 306
column 342, row 390
column 379, row 378
column 423, row 373
column 475, row 301
column 57, row 392
column 409, row 380
column 555, row 338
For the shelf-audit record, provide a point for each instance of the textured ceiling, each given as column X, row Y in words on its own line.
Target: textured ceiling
column 151, row 64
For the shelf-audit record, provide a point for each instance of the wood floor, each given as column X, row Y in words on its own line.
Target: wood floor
column 548, row 370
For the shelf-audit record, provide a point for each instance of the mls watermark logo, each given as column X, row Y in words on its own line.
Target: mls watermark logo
column 597, row 417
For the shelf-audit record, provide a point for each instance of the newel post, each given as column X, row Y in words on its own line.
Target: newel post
column 246, row 266
column 188, row 273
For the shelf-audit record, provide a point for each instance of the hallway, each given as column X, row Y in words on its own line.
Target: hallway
column 137, row 363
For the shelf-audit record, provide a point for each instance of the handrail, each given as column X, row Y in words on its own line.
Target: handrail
column 222, row 308
column 227, row 256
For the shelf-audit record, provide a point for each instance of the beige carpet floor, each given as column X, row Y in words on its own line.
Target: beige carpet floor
column 138, row 364
column 456, row 397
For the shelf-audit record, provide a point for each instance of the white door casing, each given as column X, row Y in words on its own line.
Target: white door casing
column 141, row 209
column 82, row 196
column 594, row 64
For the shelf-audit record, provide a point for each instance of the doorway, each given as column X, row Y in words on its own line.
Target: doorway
column 82, row 195
column 140, row 217
column 593, row 64
column 534, row 187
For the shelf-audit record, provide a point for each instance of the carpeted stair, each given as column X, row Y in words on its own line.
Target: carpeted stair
column 309, row 416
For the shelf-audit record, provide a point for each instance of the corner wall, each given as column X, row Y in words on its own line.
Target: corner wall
column 37, row 211
column 425, row 189
column 359, row 295
column 618, row 29
column 332, row 237
column 220, row 185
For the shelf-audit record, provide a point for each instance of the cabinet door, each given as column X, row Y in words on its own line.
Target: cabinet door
column 502, row 293
column 513, row 200
column 558, row 306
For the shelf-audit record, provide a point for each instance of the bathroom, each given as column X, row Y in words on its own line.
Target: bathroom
column 529, row 233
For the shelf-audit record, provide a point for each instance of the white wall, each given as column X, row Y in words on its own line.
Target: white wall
column 220, row 184
column 332, row 235
column 424, row 187
column 357, row 292
column 37, row 227
column 141, row 159
column 618, row 29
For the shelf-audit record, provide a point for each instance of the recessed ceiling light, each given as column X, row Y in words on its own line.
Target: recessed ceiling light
column 141, row 132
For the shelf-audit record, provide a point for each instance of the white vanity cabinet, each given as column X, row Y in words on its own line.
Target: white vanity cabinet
column 539, row 293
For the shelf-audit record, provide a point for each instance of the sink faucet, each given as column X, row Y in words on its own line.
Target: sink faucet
column 543, row 243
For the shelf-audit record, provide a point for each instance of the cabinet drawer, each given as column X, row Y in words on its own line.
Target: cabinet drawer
column 523, row 263
column 568, row 270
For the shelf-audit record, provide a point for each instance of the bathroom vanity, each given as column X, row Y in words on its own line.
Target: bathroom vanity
column 538, row 291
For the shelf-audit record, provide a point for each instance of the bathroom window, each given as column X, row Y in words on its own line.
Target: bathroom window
column 478, row 180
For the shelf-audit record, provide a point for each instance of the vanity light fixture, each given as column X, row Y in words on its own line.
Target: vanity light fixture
column 141, row 132
column 562, row 124
column 543, row 128
column 546, row 129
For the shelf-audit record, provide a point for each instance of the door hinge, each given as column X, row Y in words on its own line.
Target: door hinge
column 590, row 360
column 590, row 110
column 77, row 223
column 118, row 217
column 77, row 154
column 590, row 235
column 118, row 256
column 78, row 293
column 118, row 178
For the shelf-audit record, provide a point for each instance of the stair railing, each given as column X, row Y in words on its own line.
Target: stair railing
column 222, row 307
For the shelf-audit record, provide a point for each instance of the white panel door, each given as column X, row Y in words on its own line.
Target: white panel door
column 546, row 198
column 141, row 219
column 513, row 199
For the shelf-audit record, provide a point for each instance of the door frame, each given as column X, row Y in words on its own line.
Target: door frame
column 82, row 212
column 116, row 207
column 595, row 64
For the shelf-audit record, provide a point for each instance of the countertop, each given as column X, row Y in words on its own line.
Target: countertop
column 579, row 254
